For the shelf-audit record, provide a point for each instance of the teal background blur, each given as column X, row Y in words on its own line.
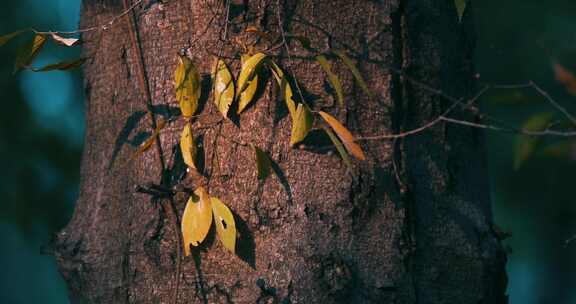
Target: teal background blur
column 42, row 125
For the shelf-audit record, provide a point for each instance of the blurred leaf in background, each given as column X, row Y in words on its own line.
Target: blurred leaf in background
column 41, row 135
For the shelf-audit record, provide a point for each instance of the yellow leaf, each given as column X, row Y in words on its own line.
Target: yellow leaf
column 286, row 89
column 460, row 8
column 339, row 147
column 148, row 142
column 196, row 220
column 248, row 80
column 565, row 77
column 333, row 78
column 223, row 86
column 29, row 51
column 187, row 146
column 6, row 38
column 64, row 41
column 188, row 87
column 345, row 136
column 225, row 225
column 263, row 163
column 248, row 94
column 301, row 124
column 62, row 66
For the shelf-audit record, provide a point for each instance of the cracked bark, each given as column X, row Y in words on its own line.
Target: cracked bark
column 412, row 225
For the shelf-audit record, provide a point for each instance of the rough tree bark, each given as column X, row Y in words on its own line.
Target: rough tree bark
column 412, row 224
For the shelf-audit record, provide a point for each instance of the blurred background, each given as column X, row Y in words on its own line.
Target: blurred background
column 42, row 125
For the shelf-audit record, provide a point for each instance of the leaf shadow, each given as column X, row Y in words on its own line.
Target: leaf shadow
column 122, row 138
column 245, row 245
column 282, row 179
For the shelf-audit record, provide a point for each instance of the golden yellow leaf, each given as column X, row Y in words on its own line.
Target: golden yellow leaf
column 286, row 89
column 248, row 80
column 64, row 41
column 148, row 142
column 225, row 224
column 248, row 94
column 223, row 86
column 196, row 220
column 188, row 86
column 339, row 147
column 301, row 124
column 565, row 77
column 344, row 135
column 29, row 51
column 187, row 146
column 62, row 66
column 6, row 38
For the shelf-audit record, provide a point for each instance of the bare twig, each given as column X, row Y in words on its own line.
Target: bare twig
column 101, row 27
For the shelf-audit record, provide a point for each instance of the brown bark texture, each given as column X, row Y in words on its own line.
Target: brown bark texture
column 411, row 224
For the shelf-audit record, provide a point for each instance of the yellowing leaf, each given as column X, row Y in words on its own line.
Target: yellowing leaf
column 263, row 35
column 187, row 83
column 248, row 80
column 286, row 89
column 223, row 86
column 187, row 146
column 248, row 94
column 565, row 77
column 301, row 124
column 148, row 142
column 263, row 163
column 6, row 38
column 460, row 8
column 29, row 51
column 64, row 41
column 340, row 148
column 225, row 224
column 525, row 144
column 355, row 72
column 196, row 220
column 333, row 78
column 345, row 136
column 62, row 66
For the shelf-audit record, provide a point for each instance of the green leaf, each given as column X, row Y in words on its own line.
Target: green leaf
column 29, row 51
column 301, row 124
column 223, row 86
column 225, row 224
column 340, row 148
column 6, row 38
column 285, row 88
column 345, row 136
column 188, row 87
column 333, row 78
column 263, row 163
column 248, row 80
column 196, row 220
column 187, row 146
column 525, row 144
column 62, row 66
column 460, row 8
column 352, row 67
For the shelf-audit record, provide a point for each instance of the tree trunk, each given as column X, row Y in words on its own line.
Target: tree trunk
column 411, row 224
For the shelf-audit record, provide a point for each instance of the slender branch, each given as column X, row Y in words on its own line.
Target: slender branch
column 101, row 27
